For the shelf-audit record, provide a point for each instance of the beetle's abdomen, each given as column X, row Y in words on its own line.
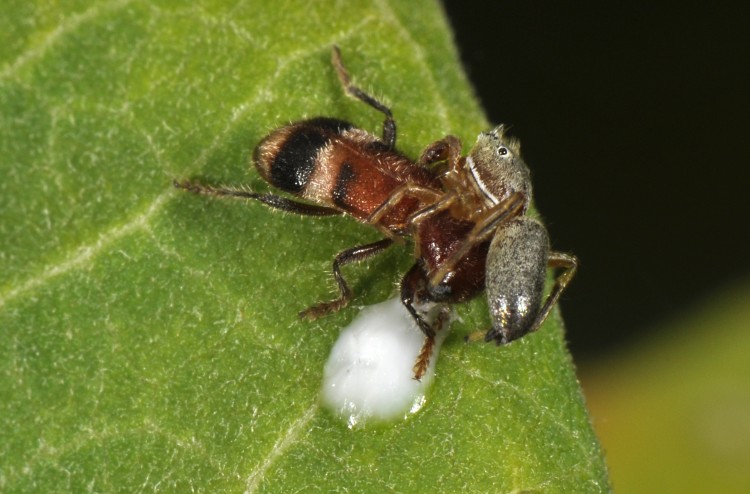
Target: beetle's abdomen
column 334, row 164
column 516, row 268
column 440, row 236
column 287, row 157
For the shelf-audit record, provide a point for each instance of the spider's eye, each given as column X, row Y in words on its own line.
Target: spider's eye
column 502, row 151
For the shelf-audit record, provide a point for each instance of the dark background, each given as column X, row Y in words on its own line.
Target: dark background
column 634, row 122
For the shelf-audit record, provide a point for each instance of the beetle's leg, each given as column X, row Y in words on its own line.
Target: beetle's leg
column 420, row 192
column 358, row 253
column 423, row 359
column 482, row 231
column 425, row 354
column 444, row 203
column 557, row 260
column 436, row 201
column 413, row 289
column 389, row 125
column 271, row 200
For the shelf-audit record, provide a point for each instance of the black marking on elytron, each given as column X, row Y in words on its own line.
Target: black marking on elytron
column 340, row 191
column 295, row 161
column 331, row 124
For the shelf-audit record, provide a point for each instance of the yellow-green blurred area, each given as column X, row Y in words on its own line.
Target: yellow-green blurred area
column 673, row 411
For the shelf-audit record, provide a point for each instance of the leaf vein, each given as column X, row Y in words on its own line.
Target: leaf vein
column 67, row 26
column 86, row 252
column 289, row 438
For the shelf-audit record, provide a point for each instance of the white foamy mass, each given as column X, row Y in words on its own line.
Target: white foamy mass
column 369, row 371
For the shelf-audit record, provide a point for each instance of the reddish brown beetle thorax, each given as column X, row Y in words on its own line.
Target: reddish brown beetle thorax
column 440, row 237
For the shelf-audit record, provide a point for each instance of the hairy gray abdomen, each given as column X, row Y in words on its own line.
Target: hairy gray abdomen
column 516, row 268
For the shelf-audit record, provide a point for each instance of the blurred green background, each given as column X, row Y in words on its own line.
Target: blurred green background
column 634, row 121
column 672, row 410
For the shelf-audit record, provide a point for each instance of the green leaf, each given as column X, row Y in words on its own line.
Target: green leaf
column 149, row 337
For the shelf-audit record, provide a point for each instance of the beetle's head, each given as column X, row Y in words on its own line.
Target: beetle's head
column 496, row 165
